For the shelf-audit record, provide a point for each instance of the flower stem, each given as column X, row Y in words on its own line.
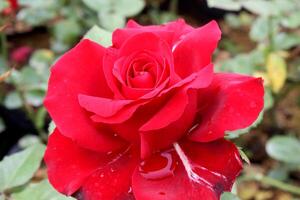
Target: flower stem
column 274, row 183
column 4, row 47
column 31, row 114
column 173, row 6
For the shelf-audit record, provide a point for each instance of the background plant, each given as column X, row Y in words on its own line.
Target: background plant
column 260, row 38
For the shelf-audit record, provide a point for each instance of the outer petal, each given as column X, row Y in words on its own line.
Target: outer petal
column 195, row 50
column 68, row 164
column 232, row 102
column 79, row 71
column 113, row 181
column 170, row 32
column 208, row 170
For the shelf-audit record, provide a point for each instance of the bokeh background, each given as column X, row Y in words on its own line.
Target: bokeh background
column 260, row 38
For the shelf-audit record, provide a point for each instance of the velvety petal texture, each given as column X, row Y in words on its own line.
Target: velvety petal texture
column 78, row 72
column 232, row 102
column 144, row 119
column 68, row 164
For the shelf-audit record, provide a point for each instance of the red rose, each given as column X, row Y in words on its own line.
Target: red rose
column 145, row 118
column 13, row 7
column 21, row 54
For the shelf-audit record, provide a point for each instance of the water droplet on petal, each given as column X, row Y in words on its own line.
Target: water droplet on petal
column 112, row 169
column 162, row 193
column 159, row 166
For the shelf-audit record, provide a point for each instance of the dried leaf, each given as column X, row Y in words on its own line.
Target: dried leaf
column 5, row 75
column 277, row 71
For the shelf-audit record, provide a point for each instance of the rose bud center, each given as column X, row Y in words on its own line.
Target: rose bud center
column 141, row 75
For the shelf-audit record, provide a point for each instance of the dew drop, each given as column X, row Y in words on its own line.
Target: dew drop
column 130, row 190
column 159, row 166
column 112, row 169
column 162, row 193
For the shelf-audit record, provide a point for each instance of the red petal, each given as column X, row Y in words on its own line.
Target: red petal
column 197, row 80
column 170, row 123
column 151, row 43
column 198, row 46
column 68, row 164
column 109, row 60
column 170, row 32
column 147, row 42
column 79, row 71
column 209, row 169
column 175, row 107
column 102, row 106
column 14, row 4
column 231, row 102
column 170, row 112
column 112, row 182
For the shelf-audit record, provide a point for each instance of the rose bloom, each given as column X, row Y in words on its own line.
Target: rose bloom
column 145, row 118
column 13, row 7
column 21, row 54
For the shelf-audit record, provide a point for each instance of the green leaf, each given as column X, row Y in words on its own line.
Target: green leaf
column 41, row 60
column 13, row 100
column 244, row 155
column 51, row 127
column 128, row 8
column 284, row 41
column 40, row 117
column 260, row 29
column 124, row 8
column 115, row 20
column 36, row 3
column 280, row 173
column 244, row 63
column 99, row 35
column 28, row 140
column 38, row 12
column 28, row 78
column 39, row 191
column 67, row 31
column 35, row 97
column 261, row 7
column 98, row 5
column 268, row 99
column 284, row 148
column 18, row 169
column 229, row 196
column 225, row 4
column 292, row 21
column 3, row 5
